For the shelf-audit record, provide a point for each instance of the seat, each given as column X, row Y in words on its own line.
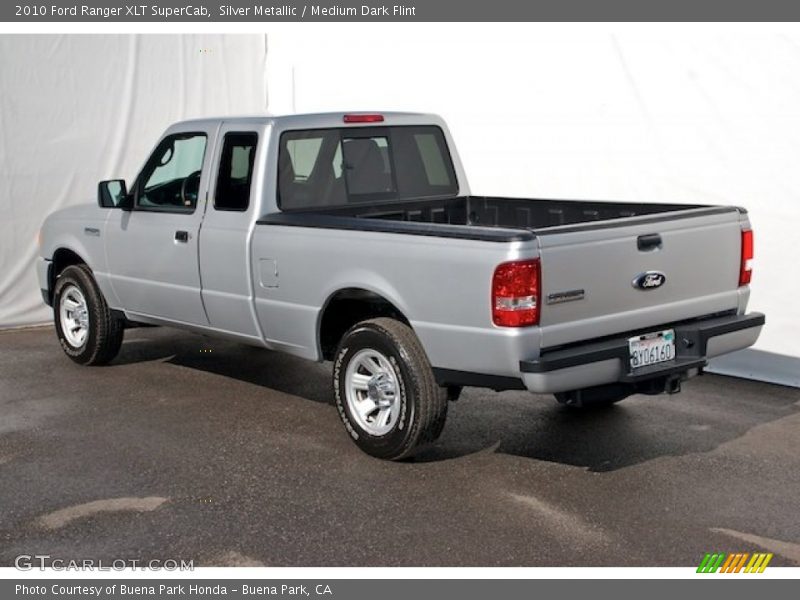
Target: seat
column 365, row 167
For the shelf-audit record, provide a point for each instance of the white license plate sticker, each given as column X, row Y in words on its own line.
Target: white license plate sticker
column 652, row 348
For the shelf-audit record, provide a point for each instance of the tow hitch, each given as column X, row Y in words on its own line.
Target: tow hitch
column 614, row 392
column 673, row 385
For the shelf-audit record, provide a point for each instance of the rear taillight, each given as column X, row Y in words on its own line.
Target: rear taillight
column 746, row 266
column 515, row 293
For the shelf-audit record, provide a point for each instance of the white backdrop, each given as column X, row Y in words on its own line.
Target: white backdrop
column 76, row 109
column 640, row 113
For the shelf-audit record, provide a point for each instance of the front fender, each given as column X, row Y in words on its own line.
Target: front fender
column 81, row 234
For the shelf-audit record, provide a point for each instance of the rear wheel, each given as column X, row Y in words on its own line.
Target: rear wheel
column 87, row 330
column 385, row 391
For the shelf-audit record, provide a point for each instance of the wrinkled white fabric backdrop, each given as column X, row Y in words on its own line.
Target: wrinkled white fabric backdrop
column 76, row 109
column 639, row 113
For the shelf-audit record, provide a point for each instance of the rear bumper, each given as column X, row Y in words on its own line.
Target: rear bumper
column 607, row 361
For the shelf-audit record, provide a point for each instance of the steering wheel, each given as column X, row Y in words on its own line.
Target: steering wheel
column 189, row 194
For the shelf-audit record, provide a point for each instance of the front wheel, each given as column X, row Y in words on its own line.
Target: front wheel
column 385, row 391
column 87, row 330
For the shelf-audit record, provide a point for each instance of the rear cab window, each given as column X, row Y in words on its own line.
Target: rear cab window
column 340, row 166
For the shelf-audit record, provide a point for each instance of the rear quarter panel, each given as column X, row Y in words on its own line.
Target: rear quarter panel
column 442, row 286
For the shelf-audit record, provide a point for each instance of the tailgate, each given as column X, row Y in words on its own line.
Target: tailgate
column 609, row 277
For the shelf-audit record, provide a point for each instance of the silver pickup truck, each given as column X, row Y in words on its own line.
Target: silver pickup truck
column 353, row 238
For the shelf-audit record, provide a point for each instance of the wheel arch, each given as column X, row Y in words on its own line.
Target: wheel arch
column 63, row 257
column 347, row 306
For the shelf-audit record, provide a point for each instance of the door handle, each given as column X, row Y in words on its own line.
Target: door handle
column 182, row 236
column 646, row 243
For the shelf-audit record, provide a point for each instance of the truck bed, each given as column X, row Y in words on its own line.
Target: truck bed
column 525, row 213
column 480, row 217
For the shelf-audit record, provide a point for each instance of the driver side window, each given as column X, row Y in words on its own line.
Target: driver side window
column 170, row 180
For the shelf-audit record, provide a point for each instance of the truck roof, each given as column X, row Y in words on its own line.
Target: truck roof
column 313, row 120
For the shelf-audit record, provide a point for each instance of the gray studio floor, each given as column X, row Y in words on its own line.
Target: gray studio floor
column 189, row 448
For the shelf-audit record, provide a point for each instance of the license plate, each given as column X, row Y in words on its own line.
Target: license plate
column 652, row 348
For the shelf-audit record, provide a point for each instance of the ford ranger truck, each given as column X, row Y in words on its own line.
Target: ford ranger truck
column 353, row 238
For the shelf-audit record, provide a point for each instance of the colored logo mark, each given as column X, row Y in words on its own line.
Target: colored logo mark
column 737, row 562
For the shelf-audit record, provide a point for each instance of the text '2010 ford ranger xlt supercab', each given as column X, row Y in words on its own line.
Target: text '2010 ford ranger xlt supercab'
column 353, row 238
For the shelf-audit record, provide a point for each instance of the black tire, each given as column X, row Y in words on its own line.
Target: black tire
column 423, row 404
column 105, row 331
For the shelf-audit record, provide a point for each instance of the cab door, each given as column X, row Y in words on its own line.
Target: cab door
column 152, row 250
column 225, row 237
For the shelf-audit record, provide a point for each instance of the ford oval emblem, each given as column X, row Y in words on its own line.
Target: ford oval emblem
column 649, row 280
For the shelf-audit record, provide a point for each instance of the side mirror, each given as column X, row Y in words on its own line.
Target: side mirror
column 113, row 194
